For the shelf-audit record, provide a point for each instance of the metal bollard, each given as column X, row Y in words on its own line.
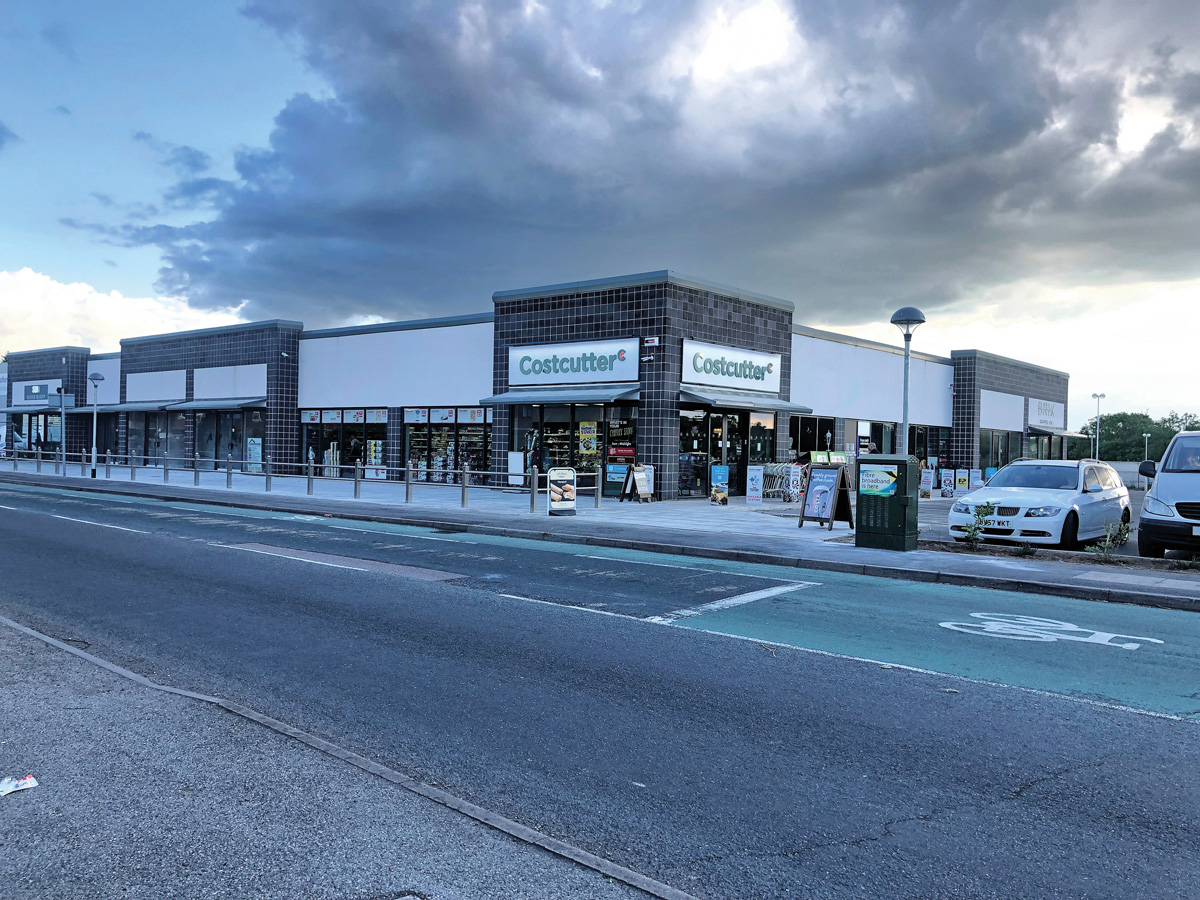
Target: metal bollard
column 599, row 485
column 357, row 480
column 39, row 461
column 83, row 467
column 408, row 479
column 268, row 471
column 533, row 489
column 228, row 470
column 15, row 458
column 133, row 468
column 166, row 469
column 310, row 479
column 107, row 464
column 196, row 472
column 465, row 483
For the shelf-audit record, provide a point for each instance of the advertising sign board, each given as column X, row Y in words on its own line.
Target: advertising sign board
column 561, row 485
column 962, row 482
column 730, row 367
column 877, row 480
column 926, row 483
column 976, row 481
column 584, row 362
column 822, row 489
column 754, row 485
column 795, row 484
column 718, row 495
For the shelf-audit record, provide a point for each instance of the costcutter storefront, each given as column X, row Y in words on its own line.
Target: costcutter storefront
column 657, row 368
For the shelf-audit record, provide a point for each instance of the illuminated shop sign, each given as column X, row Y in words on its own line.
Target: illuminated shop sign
column 730, row 367
column 588, row 362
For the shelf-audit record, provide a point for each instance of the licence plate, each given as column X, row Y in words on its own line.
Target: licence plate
column 1003, row 523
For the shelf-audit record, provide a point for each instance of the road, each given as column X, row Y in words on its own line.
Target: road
column 736, row 731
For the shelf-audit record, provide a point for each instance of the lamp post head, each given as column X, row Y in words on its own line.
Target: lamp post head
column 908, row 318
column 1098, row 396
column 1147, row 436
column 95, row 378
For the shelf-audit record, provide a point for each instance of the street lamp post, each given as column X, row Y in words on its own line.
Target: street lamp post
column 906, row 319
column 95, row 378
column 1146, row 455
column 1097, row 398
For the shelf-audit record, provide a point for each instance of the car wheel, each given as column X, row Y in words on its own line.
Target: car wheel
column 1125, row 517
column 1069, row 540
column 1149, row 548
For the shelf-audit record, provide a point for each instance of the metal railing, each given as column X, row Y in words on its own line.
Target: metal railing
column 114, row 466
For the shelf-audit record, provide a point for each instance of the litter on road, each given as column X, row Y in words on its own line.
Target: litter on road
column 10, row 784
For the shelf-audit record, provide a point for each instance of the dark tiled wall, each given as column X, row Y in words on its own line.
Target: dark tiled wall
column 237, row 346
column 48, row 364
column 667, row 311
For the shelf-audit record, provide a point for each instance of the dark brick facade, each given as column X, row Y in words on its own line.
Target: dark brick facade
column 667, row 310
column 49, row 365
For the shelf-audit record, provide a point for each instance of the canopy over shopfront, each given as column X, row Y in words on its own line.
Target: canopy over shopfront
column 1054, row 432
column 227, row 403
column 741, row 400
column 606, row 393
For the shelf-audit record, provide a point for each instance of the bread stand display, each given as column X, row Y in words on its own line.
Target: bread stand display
column 560, row 486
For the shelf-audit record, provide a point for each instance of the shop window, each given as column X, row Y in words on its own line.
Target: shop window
column 206, row 439
column 177, row 438
column 762, row 438
column 589, row 439
column 620, row 446
column 135, row 437
column 693, row 453
column 254, row 421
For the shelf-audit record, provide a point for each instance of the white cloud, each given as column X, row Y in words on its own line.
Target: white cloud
column 1133, row 343
column 37, row 311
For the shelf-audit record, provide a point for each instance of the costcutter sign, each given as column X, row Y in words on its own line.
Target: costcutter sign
column 587, row 362
column 730, row 367
column 1046, row 414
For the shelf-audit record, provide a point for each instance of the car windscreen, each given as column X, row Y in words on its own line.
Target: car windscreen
column 1184, row 455
column 1050, row 478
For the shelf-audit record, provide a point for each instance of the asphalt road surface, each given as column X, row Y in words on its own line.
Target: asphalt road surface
column 735, row 731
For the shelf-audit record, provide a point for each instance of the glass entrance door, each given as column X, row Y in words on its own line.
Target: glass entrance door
column 727, row 446
column 693, row 453
column 229, row 438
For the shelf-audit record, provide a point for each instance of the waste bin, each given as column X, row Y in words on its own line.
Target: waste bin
column 887, row 502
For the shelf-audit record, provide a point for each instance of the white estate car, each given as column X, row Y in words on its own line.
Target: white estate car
column 1047, row 501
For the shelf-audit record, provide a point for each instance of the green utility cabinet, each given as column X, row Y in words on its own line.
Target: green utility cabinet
column 887, row 502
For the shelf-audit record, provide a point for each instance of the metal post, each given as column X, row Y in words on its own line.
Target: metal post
column 599, row 484
column 62, row 423
column 83, row 464
column 133, row 468
column 533, row 489
column 904, row 427
column 408, row 480
column 268, row 470
column 108, row 464
column 465, row 481
column 95, row 409
column 310, row 478
column 39, row 460
column 228, row 470
column 357, row 480
column 166, row 469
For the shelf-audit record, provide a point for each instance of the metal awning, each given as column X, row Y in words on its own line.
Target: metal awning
column 591, row 393
column 224, row 403
column 741, row 400
column 100, row 409
column 33, row 410
column 1054, row 432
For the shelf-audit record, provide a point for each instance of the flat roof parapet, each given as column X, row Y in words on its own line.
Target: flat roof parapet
column 410, row 325
column 220, row 329
column 662, row 276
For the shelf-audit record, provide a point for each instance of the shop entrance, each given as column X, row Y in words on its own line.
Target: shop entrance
column 722, row 437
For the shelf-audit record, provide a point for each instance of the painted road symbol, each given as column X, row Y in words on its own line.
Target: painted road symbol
column 1030, row 628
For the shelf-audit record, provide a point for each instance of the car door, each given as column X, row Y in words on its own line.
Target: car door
column 1091, row 503
column 1113, row 488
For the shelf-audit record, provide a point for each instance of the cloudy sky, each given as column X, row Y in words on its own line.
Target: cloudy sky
column 1028, row 173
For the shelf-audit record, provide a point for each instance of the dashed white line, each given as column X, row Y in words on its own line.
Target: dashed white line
column 311, row 562
column 730, row 602
column 99, row 524
column 12, row 508
column 393, row 534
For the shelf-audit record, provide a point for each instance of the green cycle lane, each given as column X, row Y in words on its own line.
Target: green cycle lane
column 1132, row 656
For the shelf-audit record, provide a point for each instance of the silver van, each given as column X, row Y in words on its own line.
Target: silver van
column 1170, row 517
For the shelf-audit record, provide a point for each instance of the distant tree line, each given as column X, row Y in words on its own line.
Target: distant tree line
column 1121, row 435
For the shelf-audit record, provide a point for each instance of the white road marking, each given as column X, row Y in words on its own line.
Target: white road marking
column 530, row 599
column 638, row 562
column 730, row 602
column 311, row 562
column 1031, row 628
column 392, row 534
column 99, row 524
column 13, row 508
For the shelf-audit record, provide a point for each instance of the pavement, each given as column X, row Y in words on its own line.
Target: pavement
column 734, row 730
column 737, row 531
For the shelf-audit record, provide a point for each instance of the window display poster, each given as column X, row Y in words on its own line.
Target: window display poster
column 838, row 459
column 976, row 481
column 254, row 455
column 926, row 483
column 822, row 484
column 876, row 480
column 588, row 445
column 795, row 484
column 416, row 416
column 820, row 457
column 989, row 472
column 561, row 484
column 962, row 482
column 375, row 472
column 331, row 415
column 615, row 474
column 310, row 417
column 441, row 415
column 377, row 416
column 754, row 485
column 474, row 415
column 354, row 416
column 719, row 479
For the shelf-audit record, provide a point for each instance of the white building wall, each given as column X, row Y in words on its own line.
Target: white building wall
column 1003, row 412
column 144, row 386
column 227, row 382
column 110, row 387
column 448, row 366
column 851, row 382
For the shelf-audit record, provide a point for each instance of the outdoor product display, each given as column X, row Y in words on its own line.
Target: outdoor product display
column 887, row 502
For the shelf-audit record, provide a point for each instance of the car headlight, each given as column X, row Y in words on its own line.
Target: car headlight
column 1156, row 507
column 961, row 507
column 1044, row 512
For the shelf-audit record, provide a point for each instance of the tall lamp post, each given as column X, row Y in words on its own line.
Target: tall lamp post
column 1146, row 438
column 906, row 319
column 1097, row 398
column 95, row 378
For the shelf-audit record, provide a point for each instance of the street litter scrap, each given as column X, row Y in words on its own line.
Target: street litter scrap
column 10, row 784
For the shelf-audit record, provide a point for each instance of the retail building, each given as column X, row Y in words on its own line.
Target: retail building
column 657, row 368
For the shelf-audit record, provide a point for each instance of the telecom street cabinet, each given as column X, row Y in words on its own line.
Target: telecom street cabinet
column 887, row 502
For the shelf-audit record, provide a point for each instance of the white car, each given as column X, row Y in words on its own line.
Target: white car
column 1047, row 501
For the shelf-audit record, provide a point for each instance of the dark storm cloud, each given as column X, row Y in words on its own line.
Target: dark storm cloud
column 184, row 161
column 904, row 151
